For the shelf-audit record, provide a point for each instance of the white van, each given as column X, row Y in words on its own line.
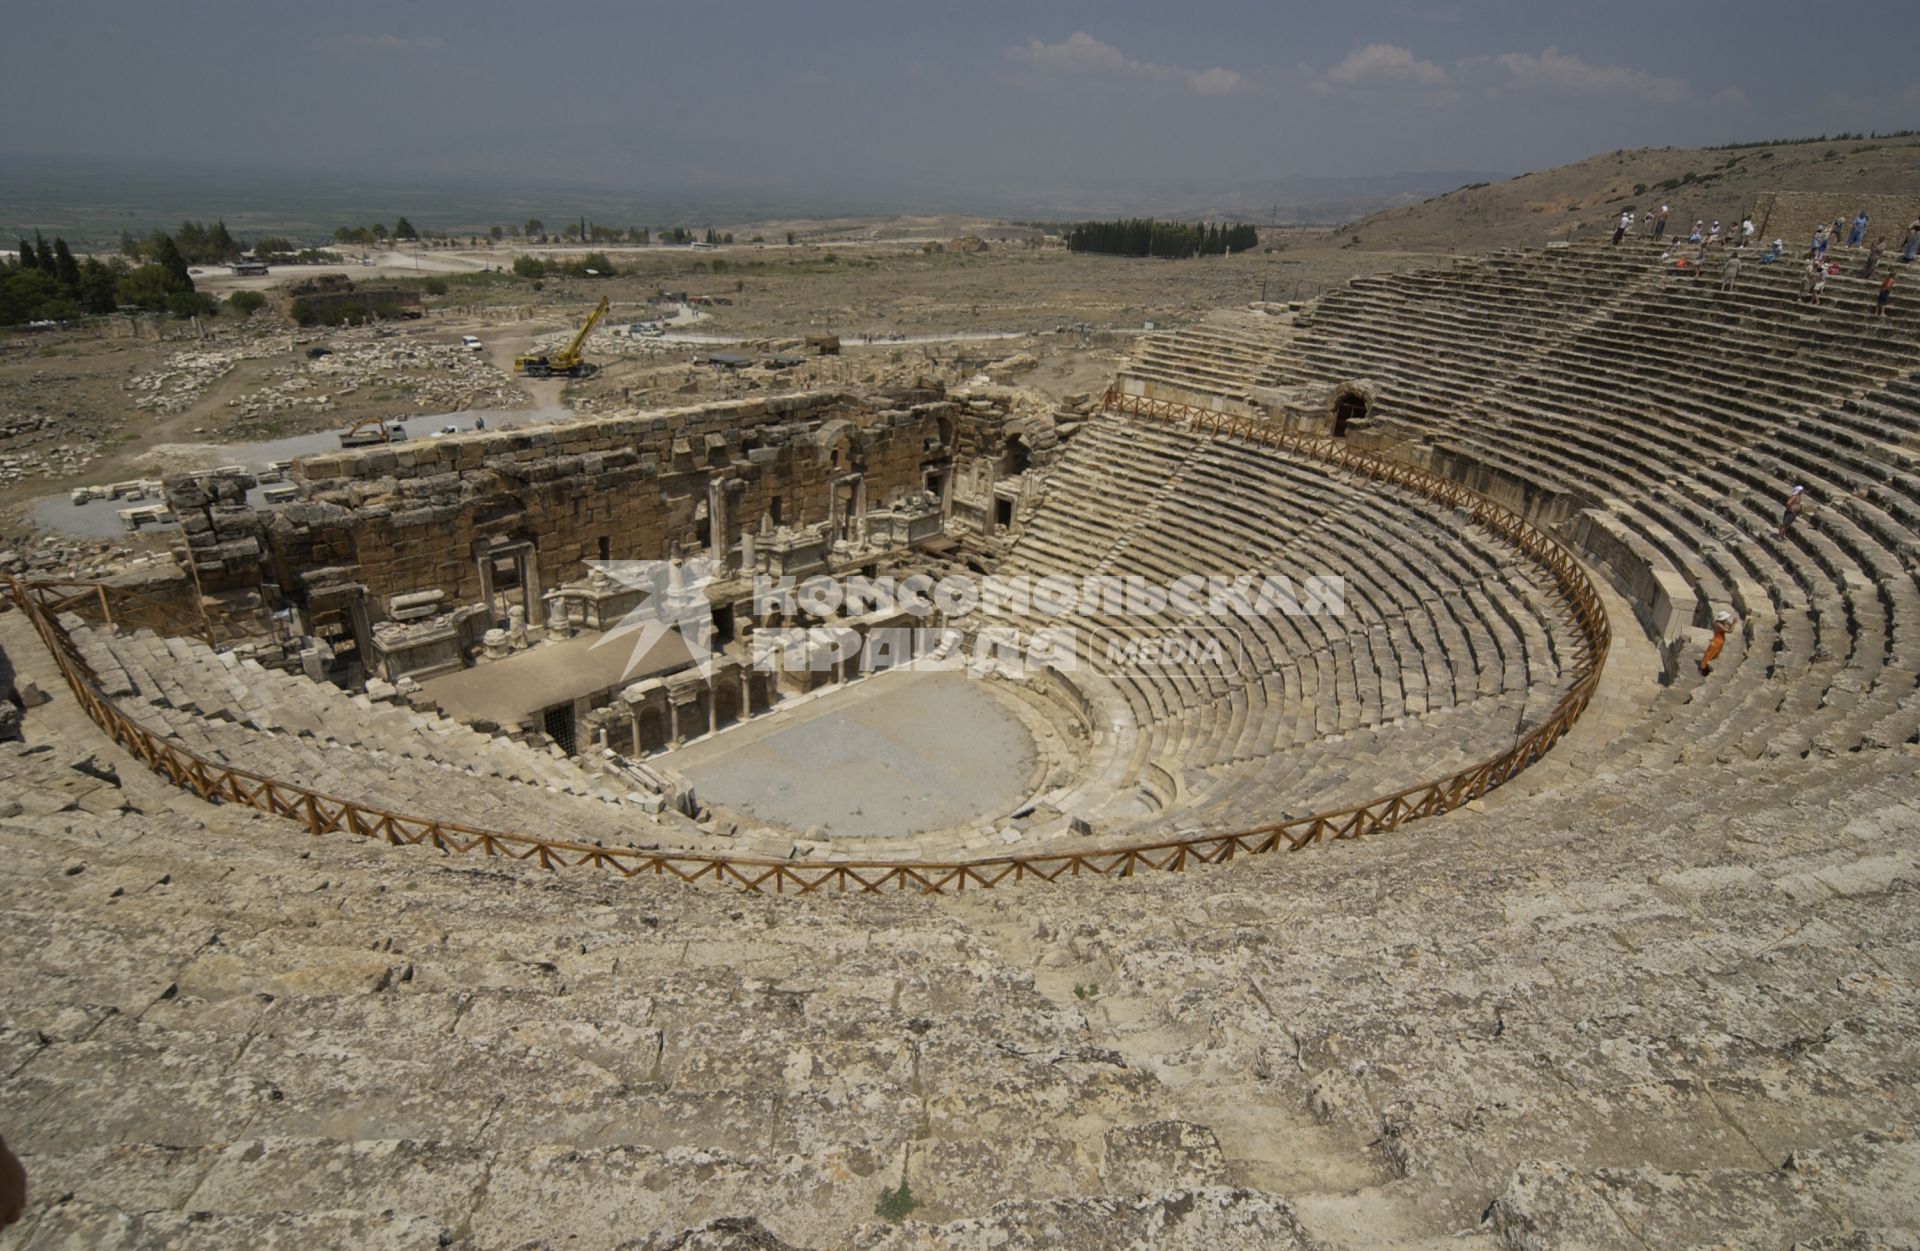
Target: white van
column 472, row 343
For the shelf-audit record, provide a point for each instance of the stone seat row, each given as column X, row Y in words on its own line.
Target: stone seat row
column 188, row 675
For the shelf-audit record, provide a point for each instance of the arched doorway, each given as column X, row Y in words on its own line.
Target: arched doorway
column 1348, row 407
column 1018, row 458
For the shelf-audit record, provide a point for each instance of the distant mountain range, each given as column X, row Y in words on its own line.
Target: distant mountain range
column 91, row 201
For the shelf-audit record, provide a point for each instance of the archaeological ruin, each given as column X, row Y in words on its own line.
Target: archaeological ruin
column 1278, row 801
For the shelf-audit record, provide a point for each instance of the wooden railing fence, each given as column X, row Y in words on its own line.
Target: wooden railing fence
column 321, row 813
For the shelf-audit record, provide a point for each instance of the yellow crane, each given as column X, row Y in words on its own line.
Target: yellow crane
column 567, row 361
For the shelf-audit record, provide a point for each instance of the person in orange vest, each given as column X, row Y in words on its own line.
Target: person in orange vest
column 13, row 1187
column 1722, row 622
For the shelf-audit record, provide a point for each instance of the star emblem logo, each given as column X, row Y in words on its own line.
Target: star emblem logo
column 673, row 600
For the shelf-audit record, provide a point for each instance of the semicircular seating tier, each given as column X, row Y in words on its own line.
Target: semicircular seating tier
column 1656, row 423
column 1448, row 644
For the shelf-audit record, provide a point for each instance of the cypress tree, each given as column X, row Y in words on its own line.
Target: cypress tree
column 65, row 268
column 167, row 256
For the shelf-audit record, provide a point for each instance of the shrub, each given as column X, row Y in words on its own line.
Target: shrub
column 246, row 303
column 529, row 266
column 435, row 286
column 185, row 304
column 896, row 1205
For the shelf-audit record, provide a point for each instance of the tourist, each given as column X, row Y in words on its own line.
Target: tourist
column 13, row 1186
column 1772, row 254
column 479, row 423
column 1858, row 235
column 1810, row 280
column 1819, row 249
column 1878, row 250
column 1746, row 232
column 1790, row 510
column 1623, row 225
column 1713, row 235
column 1729, row 272
column 1881, row 301
column 1912, row 248
column 1722, row 624
column 1698, row 226
column 1660, row 223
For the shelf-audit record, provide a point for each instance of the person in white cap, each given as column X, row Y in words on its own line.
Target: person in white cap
column 1790, row 510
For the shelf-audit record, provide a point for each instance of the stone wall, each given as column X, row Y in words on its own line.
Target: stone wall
column 416, row 516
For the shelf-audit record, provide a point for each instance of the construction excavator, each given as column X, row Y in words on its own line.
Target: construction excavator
column 369, row 431
column 567, row 362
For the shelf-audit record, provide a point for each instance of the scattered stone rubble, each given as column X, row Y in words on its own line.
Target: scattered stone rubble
column 438, row 376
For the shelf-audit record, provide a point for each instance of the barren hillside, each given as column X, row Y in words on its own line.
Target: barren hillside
column 1584, row 198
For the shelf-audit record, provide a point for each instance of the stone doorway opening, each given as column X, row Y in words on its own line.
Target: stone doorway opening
column 1348, row 406
column 557, row 721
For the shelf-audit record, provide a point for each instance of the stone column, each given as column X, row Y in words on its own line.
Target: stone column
column 485, row 561
column 717, row 521
column 530, row 580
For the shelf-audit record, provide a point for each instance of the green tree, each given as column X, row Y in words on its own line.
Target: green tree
column 167, row 256
column 26, row 294
column 65, row 268
column 185, row 304
column 403, row 229
column 379, row 232
column 28, row 260
column 246, row 303
column 536, row 229
column 146, row 287
column 97, row 280
column 529, row 266
column 789, row 238
column 129, row 246
column 494, row 233
column 43, row 254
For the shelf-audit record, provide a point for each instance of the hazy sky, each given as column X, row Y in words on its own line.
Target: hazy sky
column 937, row 95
